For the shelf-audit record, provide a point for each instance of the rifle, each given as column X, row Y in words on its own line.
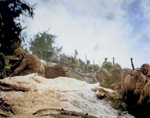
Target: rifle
column 132, row 63
column 16, row 65
column 113, row 60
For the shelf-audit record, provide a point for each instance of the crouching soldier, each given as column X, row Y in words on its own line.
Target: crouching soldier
column 28, row 64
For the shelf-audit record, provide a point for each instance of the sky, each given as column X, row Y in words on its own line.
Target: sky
column 96, row 28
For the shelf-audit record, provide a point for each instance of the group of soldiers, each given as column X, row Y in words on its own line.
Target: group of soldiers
column 26, row 64
column 29, row 63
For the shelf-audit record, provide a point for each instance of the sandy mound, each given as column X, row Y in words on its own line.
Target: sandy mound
column 23, row 96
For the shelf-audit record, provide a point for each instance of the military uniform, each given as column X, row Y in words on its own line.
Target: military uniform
column 29, row 64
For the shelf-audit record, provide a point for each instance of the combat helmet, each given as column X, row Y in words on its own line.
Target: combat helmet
column 19, row 51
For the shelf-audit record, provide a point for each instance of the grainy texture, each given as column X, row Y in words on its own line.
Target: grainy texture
column 132, row 80
column 54, row 71
column 42, row 95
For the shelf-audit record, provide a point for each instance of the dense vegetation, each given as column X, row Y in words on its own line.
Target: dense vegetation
column 10, row 26
column 42, row 45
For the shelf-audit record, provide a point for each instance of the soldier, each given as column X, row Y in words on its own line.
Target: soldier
column 28, row 64
column 106, row 65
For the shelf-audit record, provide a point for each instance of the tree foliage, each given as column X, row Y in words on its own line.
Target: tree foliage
column 10, row 27
column 42, row 45
column 82, row 64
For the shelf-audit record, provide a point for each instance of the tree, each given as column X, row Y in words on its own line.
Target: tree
column 82, row 64
column 42, row 45
column 10, row 27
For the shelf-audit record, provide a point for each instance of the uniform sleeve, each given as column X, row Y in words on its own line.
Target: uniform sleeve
column 16, row 65
column 21, row 67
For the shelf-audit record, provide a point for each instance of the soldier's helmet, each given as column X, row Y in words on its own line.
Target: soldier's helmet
column 19, row 51
column 106, row 59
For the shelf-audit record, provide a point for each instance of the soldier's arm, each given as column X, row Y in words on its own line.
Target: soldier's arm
column 20, row 68
column 13, row 67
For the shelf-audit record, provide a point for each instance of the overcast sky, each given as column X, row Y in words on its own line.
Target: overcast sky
column 97, row 28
